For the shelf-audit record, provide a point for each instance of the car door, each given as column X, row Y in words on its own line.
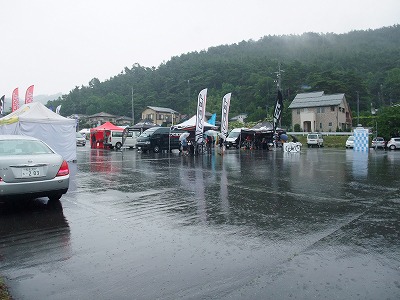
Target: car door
column 397, row 143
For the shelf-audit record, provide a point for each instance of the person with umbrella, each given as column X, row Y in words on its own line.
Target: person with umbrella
column 184, row 143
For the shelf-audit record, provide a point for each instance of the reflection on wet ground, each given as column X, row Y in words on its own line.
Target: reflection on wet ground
column 32, row 233
column 323, row 223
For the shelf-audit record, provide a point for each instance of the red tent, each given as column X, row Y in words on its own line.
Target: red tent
column 100, row 134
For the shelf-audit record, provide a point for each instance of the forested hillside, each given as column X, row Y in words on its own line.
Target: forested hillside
column 367, row 62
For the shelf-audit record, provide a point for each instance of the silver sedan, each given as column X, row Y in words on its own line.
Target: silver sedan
column 29, row 168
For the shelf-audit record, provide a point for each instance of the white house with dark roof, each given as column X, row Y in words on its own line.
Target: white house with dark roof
column 160, row 115
column 101, row 117
column 319, row 112
column 240, row 118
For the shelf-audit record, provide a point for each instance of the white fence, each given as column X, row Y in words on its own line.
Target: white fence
column 325, row 133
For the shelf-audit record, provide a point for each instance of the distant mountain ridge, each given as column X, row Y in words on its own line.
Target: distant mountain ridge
column 364, row 65
column 37, row 98
column 45, row 98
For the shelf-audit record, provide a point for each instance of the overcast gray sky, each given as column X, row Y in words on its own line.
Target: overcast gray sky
column 59, row 44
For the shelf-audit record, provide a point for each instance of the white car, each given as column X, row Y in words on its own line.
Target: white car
column 350, row 142
column 393, row 143
column 115, row 139
column 233, row 138
column 378, row 142
column 29, row 168
column 315, row 139
column 80, row 139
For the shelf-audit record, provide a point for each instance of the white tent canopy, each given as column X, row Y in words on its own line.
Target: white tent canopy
column 192, row 123
column 35, row 119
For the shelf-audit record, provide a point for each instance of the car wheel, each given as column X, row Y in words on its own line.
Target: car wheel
column 156, row 149
column 392, row 147
column 118, row 146
column 55, row 197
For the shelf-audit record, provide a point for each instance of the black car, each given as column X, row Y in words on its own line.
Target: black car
column 157, row 139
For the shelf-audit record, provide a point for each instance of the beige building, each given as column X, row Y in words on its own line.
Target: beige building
column 160, row 115
column 317, row 112
column 102, row 117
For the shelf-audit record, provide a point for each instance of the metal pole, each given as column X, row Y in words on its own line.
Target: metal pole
column 358, row 109
column 169, row 140
column 188, row 96
column 376, row 135
column 133, row 113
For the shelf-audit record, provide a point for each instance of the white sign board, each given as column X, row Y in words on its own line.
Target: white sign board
column 291, row 147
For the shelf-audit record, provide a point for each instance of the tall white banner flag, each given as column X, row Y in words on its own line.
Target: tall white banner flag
column 224, row 115
column 200, row 116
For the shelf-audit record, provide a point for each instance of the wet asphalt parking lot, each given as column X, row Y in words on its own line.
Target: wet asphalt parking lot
column 320, row 224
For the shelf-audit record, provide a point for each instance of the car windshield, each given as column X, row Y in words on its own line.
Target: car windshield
column 234, row 134
column 351, row 138
column 148, row 132
column 23, row 147
column 312, row 136
column 79, row 135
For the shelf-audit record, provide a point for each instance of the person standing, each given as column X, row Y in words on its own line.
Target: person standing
column 93, row 139
column 209, row 141
column 184, row 144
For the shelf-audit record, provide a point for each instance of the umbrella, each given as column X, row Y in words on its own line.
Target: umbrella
column 211, row 132
column 184, row 136
column 221, row 135
column 284, row 137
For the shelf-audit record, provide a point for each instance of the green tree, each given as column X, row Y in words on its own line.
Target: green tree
column 388, row 121
column 392, row 85
column 330, row 62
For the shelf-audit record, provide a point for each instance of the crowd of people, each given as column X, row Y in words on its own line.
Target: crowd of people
column 246, row 140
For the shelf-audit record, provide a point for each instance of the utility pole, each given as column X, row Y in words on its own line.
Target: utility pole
column 133, row 112
column 188, row 96
column 279, row 84
column 358, row 109
column 279, row 77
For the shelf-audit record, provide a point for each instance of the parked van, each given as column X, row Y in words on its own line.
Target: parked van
column 315, row 139
column 157, row 139
column 233, row 138
column 115, row 139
